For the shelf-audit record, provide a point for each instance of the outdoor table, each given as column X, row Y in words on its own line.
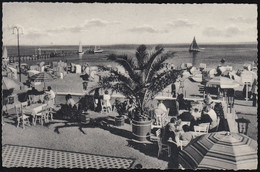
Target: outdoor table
column 37, row 107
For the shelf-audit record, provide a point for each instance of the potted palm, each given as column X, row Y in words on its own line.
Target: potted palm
column 143, row 79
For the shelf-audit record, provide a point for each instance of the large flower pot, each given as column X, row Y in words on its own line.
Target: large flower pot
column 119, row 121
column 85, row 119
column 141, row 130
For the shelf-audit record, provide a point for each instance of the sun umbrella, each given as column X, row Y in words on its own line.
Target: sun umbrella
column 220, row 150
column 32, row 72
column 8, row 83
column 43, row 77
column 223, row 82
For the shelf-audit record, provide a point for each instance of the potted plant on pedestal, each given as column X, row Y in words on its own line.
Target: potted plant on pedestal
column 144, row 76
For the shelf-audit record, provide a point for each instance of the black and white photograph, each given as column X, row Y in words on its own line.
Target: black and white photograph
column 129, row 86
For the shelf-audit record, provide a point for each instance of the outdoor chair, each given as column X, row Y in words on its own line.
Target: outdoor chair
column 24, row 104
column 31, row 100
column 205, row 124
column 21, row 118
column 201, row 129
column 161, row 146
column 156, row 136
column 48, row 114
column 162, row 120
column 104, row 107
column 39, row 116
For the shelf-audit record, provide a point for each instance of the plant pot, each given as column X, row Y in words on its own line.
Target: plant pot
column 141, row 130
column 119, row 121
column 85, row 119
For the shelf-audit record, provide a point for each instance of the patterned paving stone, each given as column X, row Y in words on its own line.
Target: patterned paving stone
column 22, row 156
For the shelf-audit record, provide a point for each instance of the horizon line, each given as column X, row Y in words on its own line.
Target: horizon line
column 249, row 42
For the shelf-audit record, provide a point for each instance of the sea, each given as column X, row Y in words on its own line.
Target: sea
column 235, row 55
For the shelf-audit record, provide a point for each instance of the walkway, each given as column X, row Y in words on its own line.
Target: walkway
column 30, row 157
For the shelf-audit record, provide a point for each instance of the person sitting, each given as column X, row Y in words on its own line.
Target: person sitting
column 170, row 130
column 51, row 94
column 209, row 116
column 185, row 135
column 69, row 101
column 187, row 116
column 181, row 103
column 161, row 106
column 130, row 109
column 159, row 111
column 107, row 103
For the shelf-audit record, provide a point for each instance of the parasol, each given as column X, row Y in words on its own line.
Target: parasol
column 220, row 150
column 8, row 83
column 43, row 77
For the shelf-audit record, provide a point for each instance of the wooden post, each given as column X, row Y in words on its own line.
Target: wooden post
column 246, row 91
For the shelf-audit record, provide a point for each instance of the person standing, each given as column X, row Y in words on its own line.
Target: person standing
column 181, row 87
column 254, row 92
column 173, row 90
column 97, row 103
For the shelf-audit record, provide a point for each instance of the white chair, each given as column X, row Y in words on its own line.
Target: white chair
column 205, row 124
column 38, row 115
column 161, row 120
column 201, row 129
column 21, row 118
column 31, row 100
column 24, row 104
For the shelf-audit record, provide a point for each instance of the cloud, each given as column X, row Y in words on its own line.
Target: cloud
column 33, row 33
column 242, row 20
column 84, row 26
column 230, row 31
column 181, row 23
column 98, row 22
column 146, row 29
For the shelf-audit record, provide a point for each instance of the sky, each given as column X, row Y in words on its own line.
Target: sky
column 105, row 24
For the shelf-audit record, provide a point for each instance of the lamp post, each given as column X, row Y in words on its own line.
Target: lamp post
column 242, row 125
column 17, row 28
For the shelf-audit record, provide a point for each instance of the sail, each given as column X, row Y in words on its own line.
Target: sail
column 194, row 46
column 80, row 47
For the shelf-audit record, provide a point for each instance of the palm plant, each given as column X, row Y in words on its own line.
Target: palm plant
column 144, row 77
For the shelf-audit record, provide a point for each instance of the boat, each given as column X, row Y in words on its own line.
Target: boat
column 98, row 50
column 80, row 52
column 194, row 46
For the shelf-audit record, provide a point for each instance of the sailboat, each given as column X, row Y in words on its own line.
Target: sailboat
column 98, row 50
column 80, row 52
column 5, row 56
column 194, row 46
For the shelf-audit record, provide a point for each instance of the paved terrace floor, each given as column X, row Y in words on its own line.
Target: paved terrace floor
column 62, row 136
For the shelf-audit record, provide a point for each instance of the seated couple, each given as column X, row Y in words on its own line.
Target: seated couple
column 68, row 110
column 196, row 115
column 176, row 132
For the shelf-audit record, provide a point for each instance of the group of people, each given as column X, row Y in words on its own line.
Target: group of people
column 199, row 112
